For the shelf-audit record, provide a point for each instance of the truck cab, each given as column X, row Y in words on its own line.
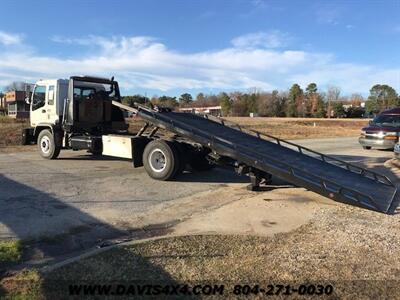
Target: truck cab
column 73, row 114
column 47, row 102
column 86, row 113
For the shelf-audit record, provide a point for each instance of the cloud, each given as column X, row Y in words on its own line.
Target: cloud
column 270, row 39
column 328, row 13
column 259, row 3
column 145, row 63
column 10, row 38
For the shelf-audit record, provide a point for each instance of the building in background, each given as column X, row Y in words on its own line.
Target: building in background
column 16, row 105
column 212, row 110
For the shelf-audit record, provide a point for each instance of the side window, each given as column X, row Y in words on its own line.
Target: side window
column 50, row 95
column 87, row 92
column 82, row 93
column 39, row 97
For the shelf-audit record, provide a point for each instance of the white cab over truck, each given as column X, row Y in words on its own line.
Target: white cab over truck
column 85, row 113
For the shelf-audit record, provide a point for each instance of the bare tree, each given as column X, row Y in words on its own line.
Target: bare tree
column 332, row 96
column 15, row 86
column 356, row 100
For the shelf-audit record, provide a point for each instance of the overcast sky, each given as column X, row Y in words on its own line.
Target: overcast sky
column 171, row 47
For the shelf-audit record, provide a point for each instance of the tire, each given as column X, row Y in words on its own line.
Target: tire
column 367, row 147
column 181, row 158
column 96, row 153
column 201, row 163
column 49, row 145
column 161, row 160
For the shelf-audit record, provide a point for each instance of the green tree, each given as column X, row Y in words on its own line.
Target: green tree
column 311, row 99
column 251, row 102
column 130, row 100
column 226, row 104
column 383, row 96
column 338, row 110
column 294, row 100
column 320, row 110
column 185, row 99
column 311, row 88
column 167, row 101
column 371, row 106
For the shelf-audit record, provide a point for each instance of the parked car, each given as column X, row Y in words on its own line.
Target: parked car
column 382, row 132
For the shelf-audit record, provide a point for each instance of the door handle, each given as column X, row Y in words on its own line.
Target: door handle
column 43, row 111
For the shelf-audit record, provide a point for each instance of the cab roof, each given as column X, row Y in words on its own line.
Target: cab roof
column 93, row 79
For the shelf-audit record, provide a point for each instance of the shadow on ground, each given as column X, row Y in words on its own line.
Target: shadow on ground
column 34, row 207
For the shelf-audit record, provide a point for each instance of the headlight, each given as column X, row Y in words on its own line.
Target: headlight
column 381, row 134
column 392, row 133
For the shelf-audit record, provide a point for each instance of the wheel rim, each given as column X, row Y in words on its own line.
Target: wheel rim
column 45, row 144
column 157, row 160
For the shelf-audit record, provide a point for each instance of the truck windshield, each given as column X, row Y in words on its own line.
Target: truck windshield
column 387, row 120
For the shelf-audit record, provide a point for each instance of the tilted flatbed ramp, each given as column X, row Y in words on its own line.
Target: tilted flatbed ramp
column 298, row 165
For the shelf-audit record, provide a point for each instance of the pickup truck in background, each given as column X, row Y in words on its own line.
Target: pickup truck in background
column 382, row 132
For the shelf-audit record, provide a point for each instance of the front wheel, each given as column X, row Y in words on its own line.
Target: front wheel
column 367, row 147
column 161, row 160
column 48, row 144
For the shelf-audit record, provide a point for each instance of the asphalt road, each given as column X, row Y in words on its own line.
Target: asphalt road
column 78, row 196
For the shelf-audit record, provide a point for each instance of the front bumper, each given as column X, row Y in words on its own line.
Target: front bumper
column 377, row 143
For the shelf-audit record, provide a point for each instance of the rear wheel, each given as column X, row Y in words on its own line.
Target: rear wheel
column 160, row 160
column 48, row 144
column 181, row 157
column 367, row 147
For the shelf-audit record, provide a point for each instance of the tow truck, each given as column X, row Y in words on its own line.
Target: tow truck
column 86, row 113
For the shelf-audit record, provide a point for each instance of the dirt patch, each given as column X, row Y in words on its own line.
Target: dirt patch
column 282, row 211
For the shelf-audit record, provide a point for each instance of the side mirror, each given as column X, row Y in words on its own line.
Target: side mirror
column 370, row 122
column 27, row 93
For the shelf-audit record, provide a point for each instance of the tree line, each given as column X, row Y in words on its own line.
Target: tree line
column 294, row 102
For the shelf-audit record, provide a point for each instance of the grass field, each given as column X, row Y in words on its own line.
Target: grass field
column 299, row 128
column 10, row 131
